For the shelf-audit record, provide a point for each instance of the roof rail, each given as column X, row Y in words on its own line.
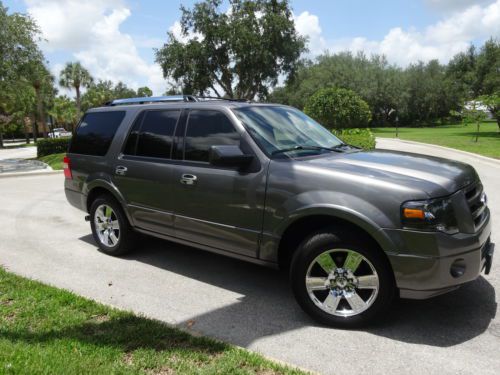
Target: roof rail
column 153, row 99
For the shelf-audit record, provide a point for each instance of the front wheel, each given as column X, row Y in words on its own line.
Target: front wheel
column 341, row 281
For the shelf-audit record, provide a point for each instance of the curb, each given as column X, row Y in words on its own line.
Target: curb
column 29, row 174
column 485, row 158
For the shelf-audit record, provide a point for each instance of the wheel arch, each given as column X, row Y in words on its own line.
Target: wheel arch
column 99, row 187
column 312, row 219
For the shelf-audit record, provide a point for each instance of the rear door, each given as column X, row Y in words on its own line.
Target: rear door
column 222, row 207
column 143, row 172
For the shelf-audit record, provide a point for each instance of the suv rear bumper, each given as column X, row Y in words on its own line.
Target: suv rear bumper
column 428, row 264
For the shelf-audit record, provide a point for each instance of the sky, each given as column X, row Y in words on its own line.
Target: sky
column 115, row 39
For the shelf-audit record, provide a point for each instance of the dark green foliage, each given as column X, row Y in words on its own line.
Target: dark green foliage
column 50, row 146
column 337, row 108
column 238, row 54
column 363, row 138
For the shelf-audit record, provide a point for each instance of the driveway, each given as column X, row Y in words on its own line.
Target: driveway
column 42, row 237
column 15, row 159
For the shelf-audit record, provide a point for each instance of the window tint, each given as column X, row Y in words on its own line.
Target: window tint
column 156, row 134
column 133, row 135
column 95, row 133
column 205, row 129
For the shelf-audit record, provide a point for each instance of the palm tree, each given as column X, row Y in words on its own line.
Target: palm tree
column 74, row 75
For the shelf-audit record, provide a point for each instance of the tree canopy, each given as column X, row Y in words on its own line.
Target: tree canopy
column 237, row 54
column 74, row 75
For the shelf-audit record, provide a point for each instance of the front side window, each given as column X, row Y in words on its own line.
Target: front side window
column 278, row 128
column 95, row 133
column 206, row 129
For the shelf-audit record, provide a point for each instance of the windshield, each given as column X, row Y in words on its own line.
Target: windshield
column 280, row 128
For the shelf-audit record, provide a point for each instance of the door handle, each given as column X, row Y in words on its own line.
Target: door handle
column 188, row 179
column 121, row 170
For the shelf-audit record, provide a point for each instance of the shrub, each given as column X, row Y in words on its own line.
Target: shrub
column 337, row 108
column 363, row 138
column 48, row 146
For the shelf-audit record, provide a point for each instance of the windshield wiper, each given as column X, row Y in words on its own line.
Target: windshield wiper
column 304, row 147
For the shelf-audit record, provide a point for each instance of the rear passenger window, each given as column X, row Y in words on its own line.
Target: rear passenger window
column 95, row 133
column 133, row 136
column 156, row 133
column 206, row 129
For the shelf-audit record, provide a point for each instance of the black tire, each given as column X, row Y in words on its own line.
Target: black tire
column 338, row 239
column 126, row 238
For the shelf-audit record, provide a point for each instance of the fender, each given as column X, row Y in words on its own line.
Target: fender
column 338, row 205
column 343, row 213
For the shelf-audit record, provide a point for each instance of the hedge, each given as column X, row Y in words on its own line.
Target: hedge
column 48, row 146
column 363, row 138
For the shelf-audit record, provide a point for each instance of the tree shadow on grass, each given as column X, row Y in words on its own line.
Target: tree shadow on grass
column 126, row 333
column 472, row 135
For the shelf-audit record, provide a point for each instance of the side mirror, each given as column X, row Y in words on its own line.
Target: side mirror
column 228, row 156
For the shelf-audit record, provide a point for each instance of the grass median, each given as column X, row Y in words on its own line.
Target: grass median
column 55, row 161
column 461, row 137
column 45, row 330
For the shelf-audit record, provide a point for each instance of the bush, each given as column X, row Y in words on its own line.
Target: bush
column 48, row 146
column 363, row 138
column 337, row 108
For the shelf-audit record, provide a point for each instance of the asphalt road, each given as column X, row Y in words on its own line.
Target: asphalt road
column 42, row 237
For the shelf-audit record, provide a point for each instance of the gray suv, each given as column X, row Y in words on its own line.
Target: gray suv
column 267, row 184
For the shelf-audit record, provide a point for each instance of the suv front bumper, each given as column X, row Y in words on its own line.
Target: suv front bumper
column 428, row 263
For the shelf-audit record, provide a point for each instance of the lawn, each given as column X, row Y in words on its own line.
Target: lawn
column 455, row 136
column 54, row 160
column 45, row 330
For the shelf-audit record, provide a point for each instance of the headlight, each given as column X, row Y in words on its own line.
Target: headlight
column 429, row 215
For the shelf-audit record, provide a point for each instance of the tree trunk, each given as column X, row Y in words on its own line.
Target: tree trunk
column 40, row 114
column 477, row 131
column 1, row 138
column 34, row 128
column 78, row 104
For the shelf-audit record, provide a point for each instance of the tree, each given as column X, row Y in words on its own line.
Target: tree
column 492, row 102
column 144, row 92
column 74, row 75
column 18, row 48
column 472, row 114
column 238, row 53
column 64, row 111
column 39, row 77
column 337, row 108
column 104, row 91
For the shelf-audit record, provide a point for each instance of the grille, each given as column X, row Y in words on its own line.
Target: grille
column 476, row 206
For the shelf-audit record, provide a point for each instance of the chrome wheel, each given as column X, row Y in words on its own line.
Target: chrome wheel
column 107, row 225
column 342, row 282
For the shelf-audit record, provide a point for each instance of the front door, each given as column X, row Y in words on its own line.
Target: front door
column 214, row 206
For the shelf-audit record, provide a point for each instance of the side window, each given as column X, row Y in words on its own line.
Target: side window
column 156, row 133
column 133, row 136
column 205, row 129
column 96, row 132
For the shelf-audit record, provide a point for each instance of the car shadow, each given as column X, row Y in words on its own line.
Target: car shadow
column 268, row 307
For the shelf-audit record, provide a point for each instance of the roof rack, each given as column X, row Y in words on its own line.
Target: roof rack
column 152, row 99
column 172, row 98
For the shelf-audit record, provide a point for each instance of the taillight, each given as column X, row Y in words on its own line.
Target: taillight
column 67, row 168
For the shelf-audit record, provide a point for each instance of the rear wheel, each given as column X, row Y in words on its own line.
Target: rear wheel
column 110, row 227
column 340, row 280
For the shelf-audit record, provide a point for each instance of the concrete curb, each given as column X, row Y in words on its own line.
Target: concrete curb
column 30, row 174
column 485, row 158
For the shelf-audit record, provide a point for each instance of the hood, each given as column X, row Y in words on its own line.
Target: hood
column 432, row 175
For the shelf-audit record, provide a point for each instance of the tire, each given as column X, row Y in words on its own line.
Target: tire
column 120, row 237
column 353, row 292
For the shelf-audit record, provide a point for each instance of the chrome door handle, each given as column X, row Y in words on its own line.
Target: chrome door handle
column 188, row 179
column 121, row 170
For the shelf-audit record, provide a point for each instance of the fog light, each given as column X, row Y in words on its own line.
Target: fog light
column 457, row 268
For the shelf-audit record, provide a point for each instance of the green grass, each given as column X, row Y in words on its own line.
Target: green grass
column 54, row 160
column 45, row 330
column 455, row 136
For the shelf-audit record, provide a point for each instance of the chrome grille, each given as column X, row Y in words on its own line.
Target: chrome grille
column 476, row 205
